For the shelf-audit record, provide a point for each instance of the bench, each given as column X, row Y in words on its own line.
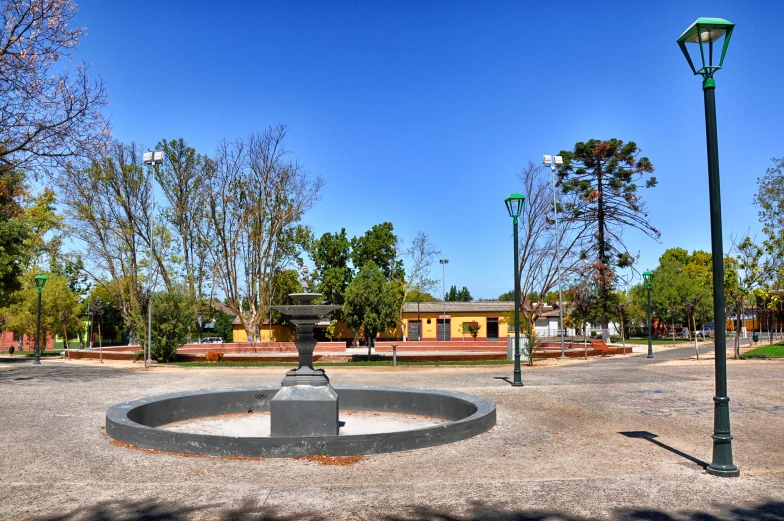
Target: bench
column 600, row 347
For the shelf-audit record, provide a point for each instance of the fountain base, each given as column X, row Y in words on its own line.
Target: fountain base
column 305, row 406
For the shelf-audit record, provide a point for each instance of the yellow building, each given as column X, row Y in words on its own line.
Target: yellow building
column 421, row 321
column 441, row 321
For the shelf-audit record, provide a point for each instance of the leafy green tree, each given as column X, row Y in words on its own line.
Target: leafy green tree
column 462, row 295
column 379, row 244
column 13, row 234
column 584, row 304
column 509, row 297
column 604, row 176
column 372, row 302
column 770, row 200
column 60, row 307
column 420, row 296
column 331, row 254
column 223, row 326
column 173, row 319
column 183, row 178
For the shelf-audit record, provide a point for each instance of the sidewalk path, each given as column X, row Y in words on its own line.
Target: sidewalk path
column 621, row 437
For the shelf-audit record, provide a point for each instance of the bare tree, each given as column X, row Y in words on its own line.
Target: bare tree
column 538, row 260
column 108, row 208
column 47, row 116
column 183, row 178
column 256, row 199
column 421, row 254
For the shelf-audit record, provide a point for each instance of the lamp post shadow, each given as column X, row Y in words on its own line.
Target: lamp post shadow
column 645, row 435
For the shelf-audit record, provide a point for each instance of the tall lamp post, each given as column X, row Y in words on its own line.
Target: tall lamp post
column 40, row 282
column 647, row 278
column 151, row 159
column 705, row 33
column 514, row 203
column 554, row 162
column 443, row 262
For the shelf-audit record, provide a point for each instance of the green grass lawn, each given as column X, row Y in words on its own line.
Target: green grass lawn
column 342, row 364
column 774, row 351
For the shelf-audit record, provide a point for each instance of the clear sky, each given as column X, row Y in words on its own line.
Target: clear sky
column 422, row 113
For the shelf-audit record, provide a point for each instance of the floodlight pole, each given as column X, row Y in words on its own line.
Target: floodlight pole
column 558, row 256
column 151, row 159
column 443, row 262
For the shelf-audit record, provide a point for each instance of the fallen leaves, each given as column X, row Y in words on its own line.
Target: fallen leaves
column 341, row 461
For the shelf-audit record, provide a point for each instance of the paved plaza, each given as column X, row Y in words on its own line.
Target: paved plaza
column 621, row 437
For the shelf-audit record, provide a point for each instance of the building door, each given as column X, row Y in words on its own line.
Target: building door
column 414, row 330
column 492, row 329
column 444, row 330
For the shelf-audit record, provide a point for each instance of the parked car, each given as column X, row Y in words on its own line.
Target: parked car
column 212, row 340
column 707, row 329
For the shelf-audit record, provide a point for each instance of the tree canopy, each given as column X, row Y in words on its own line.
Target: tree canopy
column 49, row 115
column 603, row 174
column 372, row 301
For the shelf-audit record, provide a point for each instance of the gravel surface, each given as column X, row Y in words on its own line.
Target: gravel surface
column 620, row 437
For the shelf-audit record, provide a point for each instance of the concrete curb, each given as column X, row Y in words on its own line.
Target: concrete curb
column 136, row 422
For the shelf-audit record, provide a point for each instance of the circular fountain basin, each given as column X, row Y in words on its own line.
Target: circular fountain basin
column 200, row 422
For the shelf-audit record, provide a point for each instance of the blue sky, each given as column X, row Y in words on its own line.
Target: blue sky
column 422, row 113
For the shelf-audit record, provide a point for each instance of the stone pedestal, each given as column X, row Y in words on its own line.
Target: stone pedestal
column 306, row 405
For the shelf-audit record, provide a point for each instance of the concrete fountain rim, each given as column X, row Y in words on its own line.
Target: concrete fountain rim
column 122, row 428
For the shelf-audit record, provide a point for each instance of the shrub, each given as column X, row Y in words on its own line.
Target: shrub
column 173, row 317
column 214, row 356
column 472, row 328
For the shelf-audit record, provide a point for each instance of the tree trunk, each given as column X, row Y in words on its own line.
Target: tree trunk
column 585, row 341
column 737, row 328
column 623, row 335
column 65, row 342
column 696, row 348
column 100, row 343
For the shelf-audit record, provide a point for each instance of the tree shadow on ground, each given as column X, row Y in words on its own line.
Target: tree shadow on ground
column 478, row 510
column 58, row 372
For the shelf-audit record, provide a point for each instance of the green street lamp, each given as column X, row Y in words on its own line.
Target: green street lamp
column 40, row 282
column 514, row 203
column 647, row 278
column 708, row 33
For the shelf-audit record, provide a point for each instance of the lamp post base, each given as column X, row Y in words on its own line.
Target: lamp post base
column 649, row 356
column 517, row 384
column 724, row 471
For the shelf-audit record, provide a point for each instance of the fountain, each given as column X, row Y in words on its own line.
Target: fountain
column 306, row 405
column 304, row 411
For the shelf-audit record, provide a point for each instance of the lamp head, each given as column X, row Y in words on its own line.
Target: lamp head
column 443, row 261
column 40, row 282
column 647, row 278
column 153, row 158
column 514, row 203
column 704, row 34
column 547, row 160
